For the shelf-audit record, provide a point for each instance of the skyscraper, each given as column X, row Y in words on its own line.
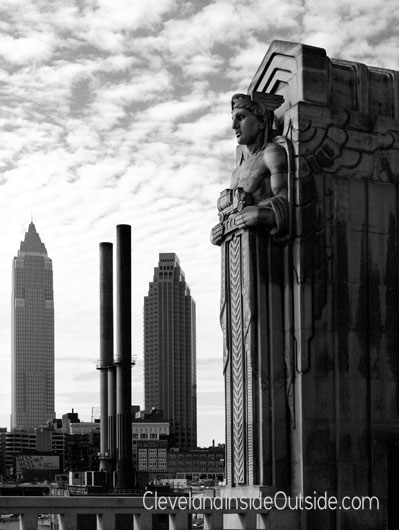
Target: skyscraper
column 32, row 314
column 170, row 381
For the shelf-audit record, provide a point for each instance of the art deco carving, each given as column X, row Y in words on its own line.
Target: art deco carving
column 252, row 212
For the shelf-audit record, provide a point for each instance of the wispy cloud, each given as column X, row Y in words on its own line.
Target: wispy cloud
column 118, row 112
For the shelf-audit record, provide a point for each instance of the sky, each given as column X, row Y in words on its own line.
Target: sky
column 118, row 112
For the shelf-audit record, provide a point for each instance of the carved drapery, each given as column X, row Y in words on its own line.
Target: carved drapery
column 252, row 321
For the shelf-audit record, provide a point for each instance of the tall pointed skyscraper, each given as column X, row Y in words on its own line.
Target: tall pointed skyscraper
column 32, row 315
column 170, row 381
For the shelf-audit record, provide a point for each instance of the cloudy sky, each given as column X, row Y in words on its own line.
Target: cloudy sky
column 117, row 111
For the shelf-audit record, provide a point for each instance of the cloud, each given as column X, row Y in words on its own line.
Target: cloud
column 86, row 377
column 19, row 51
column 123, row 14
column 119, row 112
column 79, row 397
column 353, row 30
column 200, row 65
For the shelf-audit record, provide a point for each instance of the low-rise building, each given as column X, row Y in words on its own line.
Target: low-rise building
column 150, row 441
column 77, row 443
column 18, row 442
column 197, row 464
column 84, row 427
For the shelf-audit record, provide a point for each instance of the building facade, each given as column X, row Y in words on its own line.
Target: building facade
column 77, row 452
column 18, row 442
column 3, row 433
column 197, row 465
column 170, row 351
column 150, row 440
column 32, row 334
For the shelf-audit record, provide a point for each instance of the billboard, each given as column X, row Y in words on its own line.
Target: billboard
column 38, row 462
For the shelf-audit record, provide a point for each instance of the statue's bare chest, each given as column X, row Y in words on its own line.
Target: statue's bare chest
column 253, row 176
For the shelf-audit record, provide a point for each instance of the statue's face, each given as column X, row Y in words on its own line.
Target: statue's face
column 247, row 126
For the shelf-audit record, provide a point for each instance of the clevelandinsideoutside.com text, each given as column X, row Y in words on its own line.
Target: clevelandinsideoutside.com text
column 279, row 501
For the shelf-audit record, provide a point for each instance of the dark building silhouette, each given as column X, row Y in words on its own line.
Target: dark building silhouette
column 3, row 433
column 170, row 350
column 32, row 334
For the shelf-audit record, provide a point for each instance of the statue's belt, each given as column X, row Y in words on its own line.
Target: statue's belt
column 231, row 202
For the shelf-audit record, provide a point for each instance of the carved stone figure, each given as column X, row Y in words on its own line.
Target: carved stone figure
column 261, row 170
column 252, row 211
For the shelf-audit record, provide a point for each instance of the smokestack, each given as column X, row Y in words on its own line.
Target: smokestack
column 107, row 401
column 123, row 359
column 111, row 372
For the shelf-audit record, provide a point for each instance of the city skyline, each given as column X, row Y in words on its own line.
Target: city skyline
column 113, row 113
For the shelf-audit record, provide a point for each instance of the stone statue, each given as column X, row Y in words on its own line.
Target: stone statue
column 252, row 213
column 261, row 167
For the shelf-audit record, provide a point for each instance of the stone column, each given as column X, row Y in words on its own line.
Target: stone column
column 213, row 521
column 28, row 521
column 178, row 521
column 67, row 521
column 106, row 520
column 142, row 521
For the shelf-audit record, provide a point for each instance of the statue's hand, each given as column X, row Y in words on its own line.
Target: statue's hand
column 217, row 234
column 255, row 216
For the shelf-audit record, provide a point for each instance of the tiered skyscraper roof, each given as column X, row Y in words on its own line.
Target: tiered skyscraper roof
column 170, row 381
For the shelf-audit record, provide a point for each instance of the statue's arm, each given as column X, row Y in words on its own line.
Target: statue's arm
column 275, row 158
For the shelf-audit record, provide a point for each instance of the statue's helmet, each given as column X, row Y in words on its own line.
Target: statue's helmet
column 258, row 103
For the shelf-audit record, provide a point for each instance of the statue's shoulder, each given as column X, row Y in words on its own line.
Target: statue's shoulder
column 276, row 147
column 275, row 153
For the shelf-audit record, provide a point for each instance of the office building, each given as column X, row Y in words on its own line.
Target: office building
column 203, row 465
column 170, row 351
column 18, row 442
column 32, row 335
column 150, row 440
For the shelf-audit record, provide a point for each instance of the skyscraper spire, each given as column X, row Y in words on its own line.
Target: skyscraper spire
column 32, row 243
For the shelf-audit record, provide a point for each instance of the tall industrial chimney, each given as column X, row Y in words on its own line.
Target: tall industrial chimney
column 123, row 359
column 106, row 366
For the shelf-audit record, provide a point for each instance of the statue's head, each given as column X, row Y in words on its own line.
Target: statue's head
column 261, row 107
